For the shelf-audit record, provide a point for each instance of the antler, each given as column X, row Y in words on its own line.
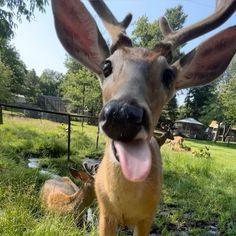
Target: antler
column 224, row 9
column 115, row 29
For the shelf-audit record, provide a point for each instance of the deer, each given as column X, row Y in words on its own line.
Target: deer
column 177, row 143
column 136, row 83
column 167, row 134
column 62, row 196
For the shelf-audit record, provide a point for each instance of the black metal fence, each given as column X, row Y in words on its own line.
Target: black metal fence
column 69, row 117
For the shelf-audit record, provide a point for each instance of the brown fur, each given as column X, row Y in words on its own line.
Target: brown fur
column 177, row 143
column 137, row 73
column 121, row 201
column 62, row 196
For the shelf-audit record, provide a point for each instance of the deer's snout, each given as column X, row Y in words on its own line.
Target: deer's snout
column 122, row 120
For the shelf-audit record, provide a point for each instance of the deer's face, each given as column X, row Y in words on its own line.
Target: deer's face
column 136, row 84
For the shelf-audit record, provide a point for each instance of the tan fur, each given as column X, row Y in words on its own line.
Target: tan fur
column 177, row 143
column 62, row 196
column 121, row 201
column 139, row 74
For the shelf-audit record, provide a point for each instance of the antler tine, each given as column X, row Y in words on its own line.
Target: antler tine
column 115, row 29
column 224, row 9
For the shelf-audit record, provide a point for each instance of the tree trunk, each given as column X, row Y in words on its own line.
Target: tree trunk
column 1, row 116
column 225, row 134
column 216, row 135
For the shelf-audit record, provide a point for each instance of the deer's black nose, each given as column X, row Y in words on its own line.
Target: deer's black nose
column 122, row 120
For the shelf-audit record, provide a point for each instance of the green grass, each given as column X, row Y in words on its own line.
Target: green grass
column 198, row 191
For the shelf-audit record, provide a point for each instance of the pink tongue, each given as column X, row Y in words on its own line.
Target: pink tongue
column 135, row 159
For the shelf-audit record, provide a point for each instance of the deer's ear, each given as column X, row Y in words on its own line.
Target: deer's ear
column 206, row 62
column 81, row 175
column 79, row 34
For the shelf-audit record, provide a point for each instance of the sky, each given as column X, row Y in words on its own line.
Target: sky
column 39, row 47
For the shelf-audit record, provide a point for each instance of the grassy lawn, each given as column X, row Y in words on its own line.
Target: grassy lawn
column 198, row 192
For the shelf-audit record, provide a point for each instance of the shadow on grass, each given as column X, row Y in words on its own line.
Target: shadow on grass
column 197, row 202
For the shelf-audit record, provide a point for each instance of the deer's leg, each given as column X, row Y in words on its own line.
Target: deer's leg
column 107, row 225
column 142, row 228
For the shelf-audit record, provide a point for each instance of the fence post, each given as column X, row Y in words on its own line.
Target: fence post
column 97, row 140
column 1, row 116
column 68, row 138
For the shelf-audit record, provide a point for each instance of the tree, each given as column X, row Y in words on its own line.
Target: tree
column 49, row 82
column 147, row 35
column 5, row 80
column 82, row 88
column 12, row 11
column 227, row 98
column 197, row 100
column 212, row 110
column 11, row 58
column 72, row 65
column 31, row 86
column 170, row 110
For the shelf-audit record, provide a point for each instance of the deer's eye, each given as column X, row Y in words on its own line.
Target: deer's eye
column 167, row 77
column 107, row 68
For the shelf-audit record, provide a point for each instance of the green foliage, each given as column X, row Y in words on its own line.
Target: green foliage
column 11, row 58
column 49, row 82
column 12, row 11
column 31, row 88
column 71, row 64
column 202, row 153
column 227, row 98
column 82, row 88
column 5, row 79
column 197, row 103
column 170, row 110
column 146, row 34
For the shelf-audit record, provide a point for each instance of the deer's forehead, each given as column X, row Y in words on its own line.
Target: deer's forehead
column 136, row 53
column 138, row 56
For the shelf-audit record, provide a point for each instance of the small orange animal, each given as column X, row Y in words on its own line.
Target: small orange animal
column 62, row 196
column 177, row 143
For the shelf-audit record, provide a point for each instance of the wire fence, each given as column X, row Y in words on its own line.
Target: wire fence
column 67, row 118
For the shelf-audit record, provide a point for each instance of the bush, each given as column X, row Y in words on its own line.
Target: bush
column 203, row 153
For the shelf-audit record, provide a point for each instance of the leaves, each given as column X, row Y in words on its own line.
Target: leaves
column 12, row 11
column 147, row 34
column 49, row 82
column 227, row 98
column 82, row 88
column 5, row 75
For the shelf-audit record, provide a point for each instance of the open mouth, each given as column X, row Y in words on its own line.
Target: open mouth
column 134, row 157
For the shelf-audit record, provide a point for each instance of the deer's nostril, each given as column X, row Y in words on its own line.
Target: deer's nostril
column 110, row 111
column 135, row 114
